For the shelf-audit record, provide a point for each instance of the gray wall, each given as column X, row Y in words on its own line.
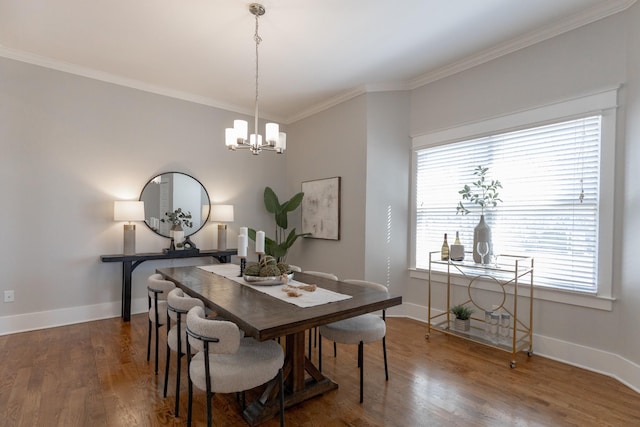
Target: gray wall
column 599, row 56
column 70, row 147
column 333, row 143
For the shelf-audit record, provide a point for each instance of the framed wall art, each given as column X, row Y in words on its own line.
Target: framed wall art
column 321, row 208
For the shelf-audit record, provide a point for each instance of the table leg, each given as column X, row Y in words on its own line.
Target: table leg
column 127, row 270
column 297, row 387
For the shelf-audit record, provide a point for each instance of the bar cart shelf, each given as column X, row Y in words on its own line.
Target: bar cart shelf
column 509, row 273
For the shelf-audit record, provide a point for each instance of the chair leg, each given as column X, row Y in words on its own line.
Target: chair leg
column 209, row 404
column 384, row 351
column 335, row 349
column 309, row 344
column 166, row 371
column 149, row 341
column 190, row 400
column 157, row 335
column 177, row 407
column 320, row 354
column 281, row 378
column 361, row 364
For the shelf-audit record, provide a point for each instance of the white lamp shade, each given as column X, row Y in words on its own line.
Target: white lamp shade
column 128, row 210
column 255, row 140
column 241, row 127
column 231, row 137
column 272, row 132
column 222, row 213
column 282, row 141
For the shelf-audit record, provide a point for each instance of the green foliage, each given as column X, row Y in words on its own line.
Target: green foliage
column 178, row 217
column 484, row 192
column 279, row 246
column 462, row 312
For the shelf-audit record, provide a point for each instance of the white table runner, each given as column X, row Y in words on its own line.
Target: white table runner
column 306, row 299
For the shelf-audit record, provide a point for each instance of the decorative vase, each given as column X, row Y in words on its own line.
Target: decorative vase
column 462, row 325
column 177, row 233
column 481, row 233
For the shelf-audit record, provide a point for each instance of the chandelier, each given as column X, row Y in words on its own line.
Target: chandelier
column 236, row 137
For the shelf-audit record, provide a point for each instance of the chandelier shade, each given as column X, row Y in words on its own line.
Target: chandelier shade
column 238, row 136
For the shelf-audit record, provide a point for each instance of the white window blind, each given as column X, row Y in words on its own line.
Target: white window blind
column 550, row 178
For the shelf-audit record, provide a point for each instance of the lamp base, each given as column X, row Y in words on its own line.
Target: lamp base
column 129, row 247
column 222, row 237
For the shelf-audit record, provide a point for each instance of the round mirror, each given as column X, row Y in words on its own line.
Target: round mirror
column 170, row 191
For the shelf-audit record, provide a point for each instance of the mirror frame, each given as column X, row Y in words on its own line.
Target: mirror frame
column 194, row 229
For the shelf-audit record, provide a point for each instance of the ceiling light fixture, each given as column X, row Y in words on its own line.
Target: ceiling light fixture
column 236, row 137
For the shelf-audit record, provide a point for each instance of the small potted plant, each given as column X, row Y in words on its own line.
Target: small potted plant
column 463, row 317
column 177, row 219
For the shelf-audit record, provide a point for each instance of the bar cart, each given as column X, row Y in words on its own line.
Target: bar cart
column 511, row 333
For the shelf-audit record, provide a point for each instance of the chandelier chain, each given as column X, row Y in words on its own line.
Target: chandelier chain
column 257, row 39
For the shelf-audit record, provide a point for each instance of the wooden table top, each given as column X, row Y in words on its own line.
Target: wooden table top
column 264, row 317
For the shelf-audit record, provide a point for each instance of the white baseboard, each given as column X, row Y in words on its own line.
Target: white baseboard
column 592, row 359
column 65, row 316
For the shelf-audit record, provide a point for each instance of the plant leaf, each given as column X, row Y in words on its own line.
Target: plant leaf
column 271, row 200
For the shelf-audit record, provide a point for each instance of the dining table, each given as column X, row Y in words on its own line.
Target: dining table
column 265, row 316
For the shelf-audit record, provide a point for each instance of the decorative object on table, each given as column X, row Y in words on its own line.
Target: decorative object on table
column 243, row 242
column 321, row 208
column 444, row 251
column 279, row 246
column 236, row 137
column 456, row 251
column 177, row 219
column 128, row 210
column 222, row 214
column 267, row 271
column 484, row 193
column 463, row 314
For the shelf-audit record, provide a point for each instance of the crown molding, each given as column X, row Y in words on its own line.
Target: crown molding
column 94, row 74
column 600, row 11
column 596, row 13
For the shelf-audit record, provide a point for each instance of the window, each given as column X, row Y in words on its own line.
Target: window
column 557, row 176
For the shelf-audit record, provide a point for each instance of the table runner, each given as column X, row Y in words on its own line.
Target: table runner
column 306, row 299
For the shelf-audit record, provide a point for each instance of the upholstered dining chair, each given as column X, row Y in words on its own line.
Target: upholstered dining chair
column 157, row 291
column 359, row 330
column 178, row 305
column 314, row 331
column 227, row 363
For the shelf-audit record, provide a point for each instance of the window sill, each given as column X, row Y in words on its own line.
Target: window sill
column 544, row 294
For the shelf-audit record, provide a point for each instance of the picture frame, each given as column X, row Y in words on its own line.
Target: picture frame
column 321, row 208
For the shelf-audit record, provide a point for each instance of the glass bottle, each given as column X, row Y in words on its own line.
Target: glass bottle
column 444, row 252
column 457, row 242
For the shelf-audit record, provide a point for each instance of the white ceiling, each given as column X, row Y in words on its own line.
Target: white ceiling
column 313, row 55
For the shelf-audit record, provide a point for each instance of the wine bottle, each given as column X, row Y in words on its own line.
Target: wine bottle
column 456, row 251
column 444, row 252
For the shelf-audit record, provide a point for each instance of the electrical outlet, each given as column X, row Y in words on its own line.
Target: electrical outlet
column 9, row 296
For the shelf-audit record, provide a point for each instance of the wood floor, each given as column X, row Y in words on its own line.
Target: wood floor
column 96, row 374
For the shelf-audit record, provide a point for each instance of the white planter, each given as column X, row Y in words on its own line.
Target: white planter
column 462, row 325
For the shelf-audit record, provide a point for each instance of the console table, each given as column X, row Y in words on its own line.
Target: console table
column 130, row 262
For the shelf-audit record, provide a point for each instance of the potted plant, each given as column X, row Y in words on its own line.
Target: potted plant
column 177, row 219
column 484, row 193
column 279, row 246
column 463, row 317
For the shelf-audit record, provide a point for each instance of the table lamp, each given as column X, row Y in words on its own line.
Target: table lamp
column 222, row 214
column 128, row 210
